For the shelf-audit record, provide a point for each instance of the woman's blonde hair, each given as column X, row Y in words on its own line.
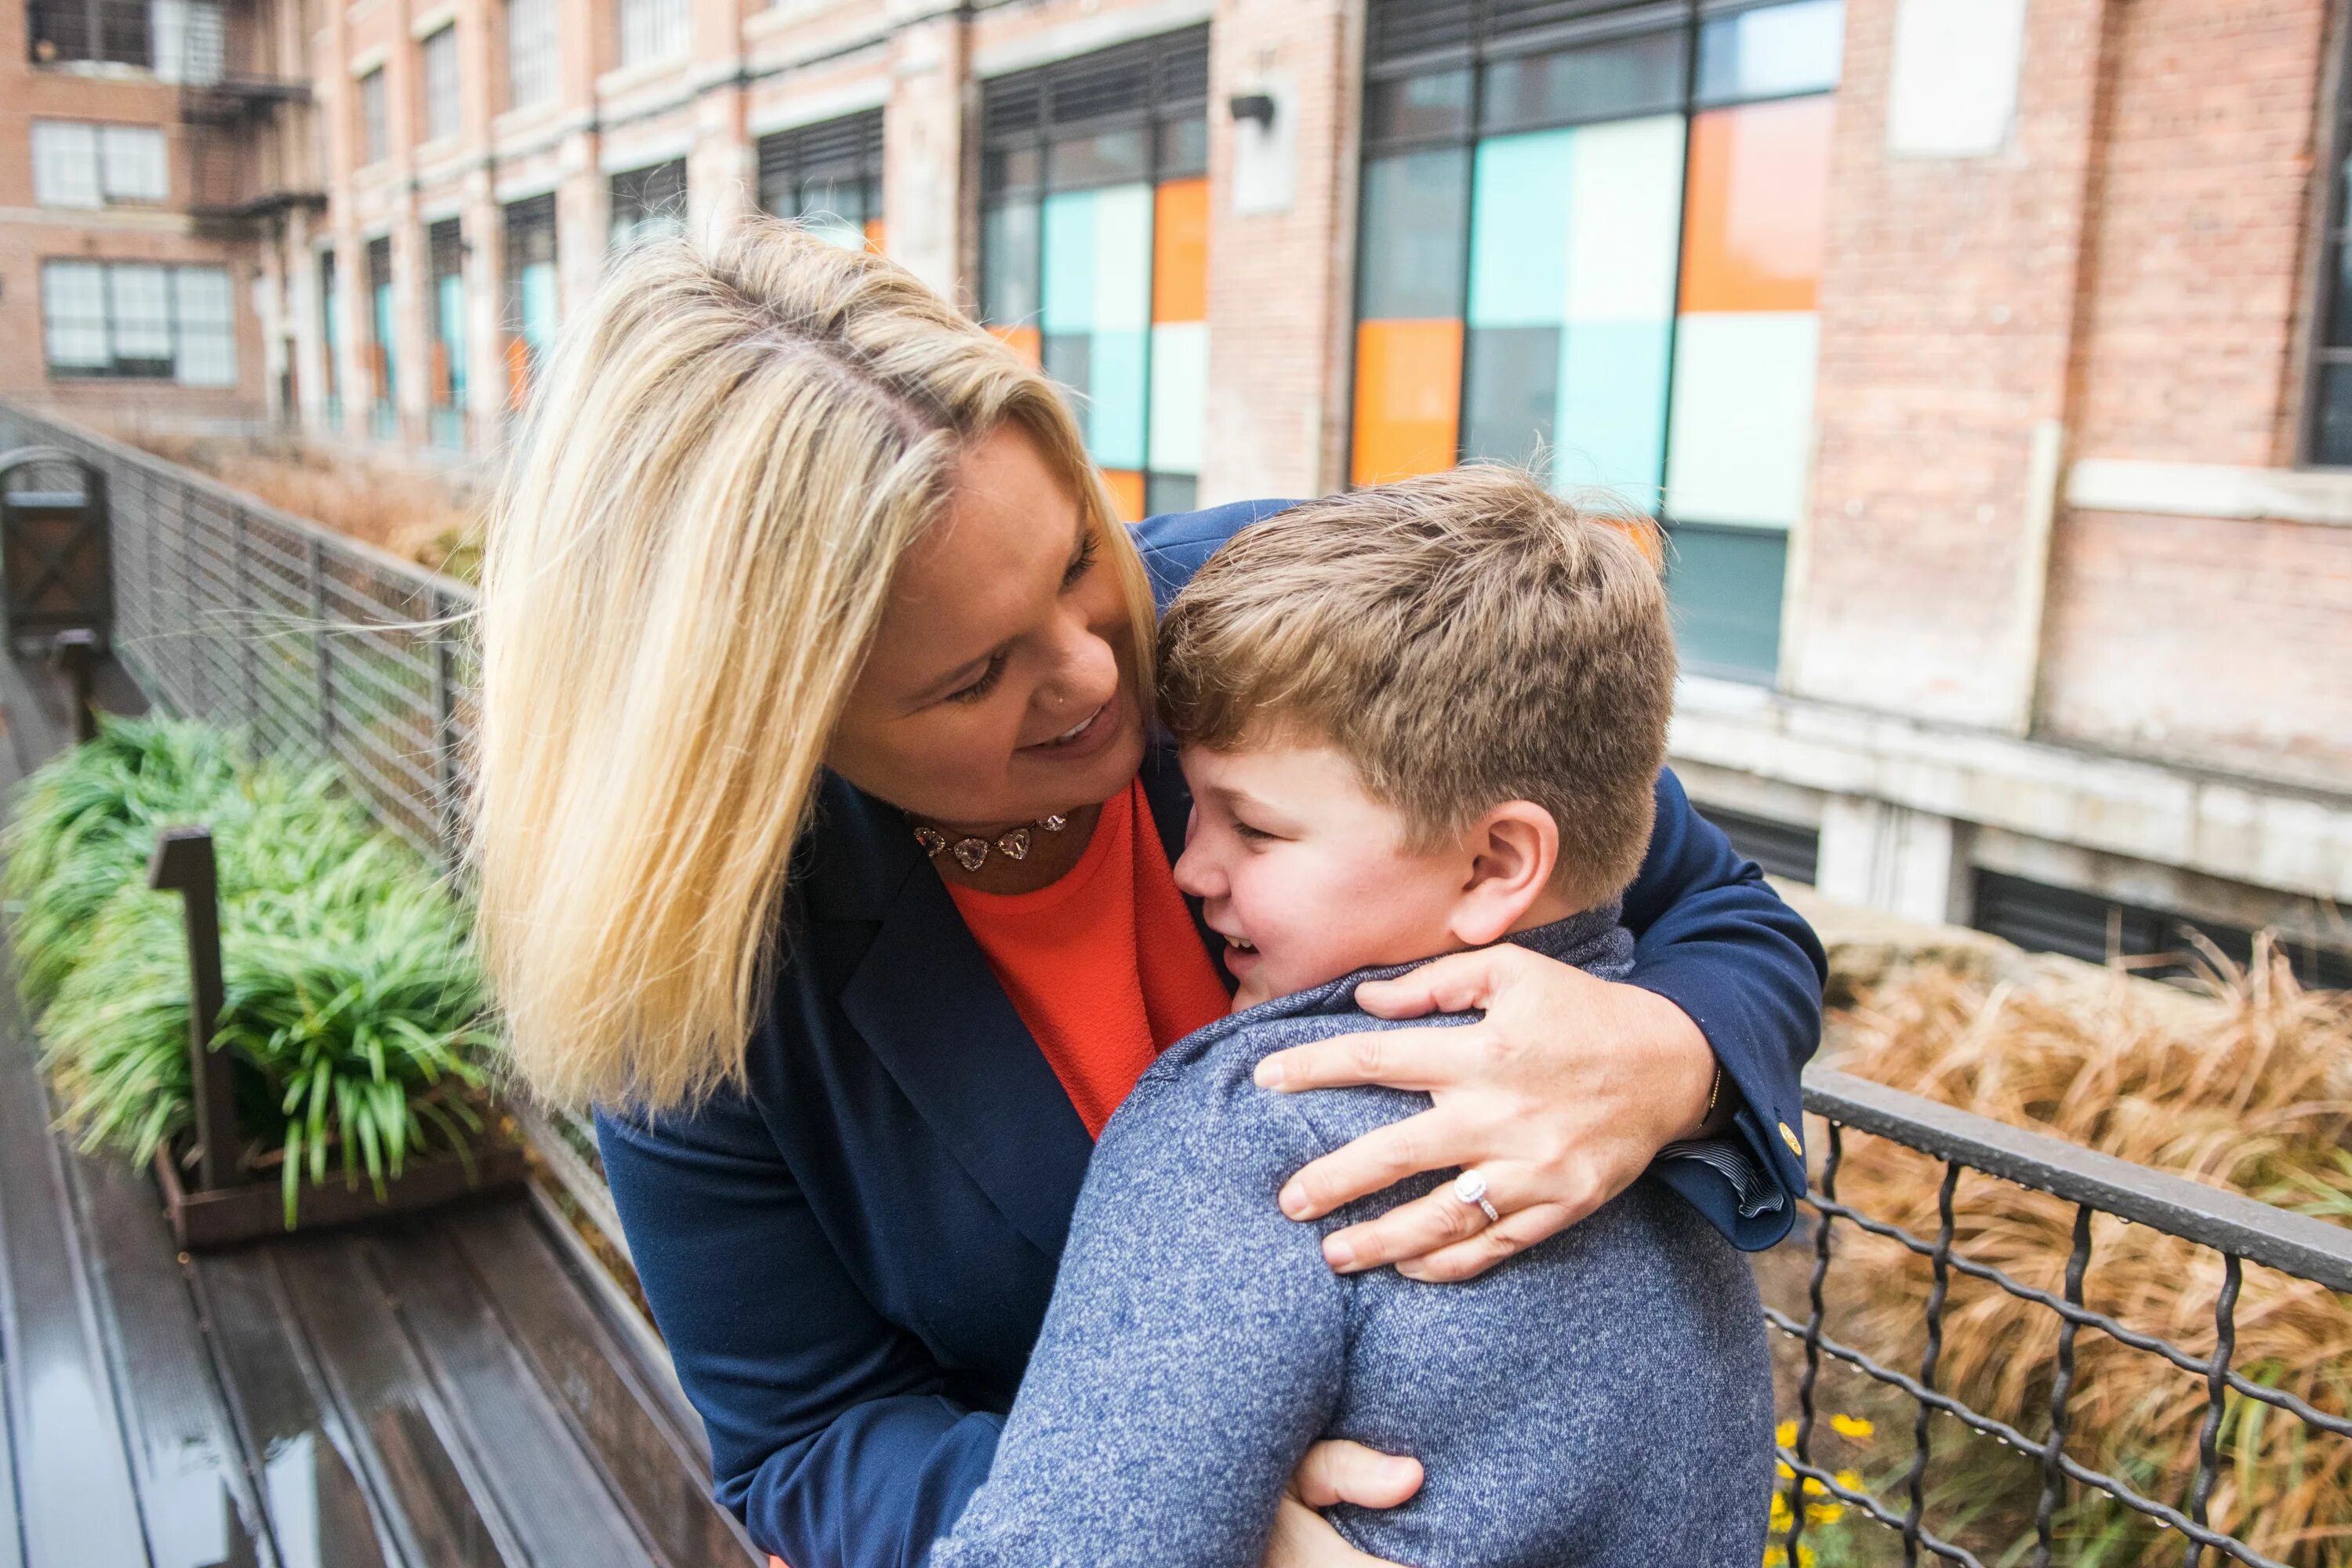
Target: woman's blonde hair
column 731, row 450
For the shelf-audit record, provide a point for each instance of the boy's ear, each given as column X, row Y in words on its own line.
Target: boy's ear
column 1514, row 848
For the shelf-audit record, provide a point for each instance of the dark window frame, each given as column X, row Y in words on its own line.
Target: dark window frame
column 2334, row 253
column 142, row 369
column 107, row 30
column 1025, row 114
column 846, row 150
column 1441, row 36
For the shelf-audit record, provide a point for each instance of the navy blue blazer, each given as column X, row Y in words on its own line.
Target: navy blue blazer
column 850, row 1256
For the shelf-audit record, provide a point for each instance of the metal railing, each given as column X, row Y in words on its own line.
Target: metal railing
column 2240, row 1229
column 232, row 610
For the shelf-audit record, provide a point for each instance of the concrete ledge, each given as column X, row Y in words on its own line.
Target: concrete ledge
column 2212, row 489
column 2238, row 829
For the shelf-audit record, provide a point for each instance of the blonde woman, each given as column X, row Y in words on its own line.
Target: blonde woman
column 825, row 848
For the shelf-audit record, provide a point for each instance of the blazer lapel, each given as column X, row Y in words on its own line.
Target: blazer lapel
column 926, row 1005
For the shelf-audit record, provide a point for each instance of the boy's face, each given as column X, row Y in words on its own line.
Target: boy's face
column 1306, row 876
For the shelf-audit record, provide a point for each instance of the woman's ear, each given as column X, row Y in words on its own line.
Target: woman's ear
column 1514, row 849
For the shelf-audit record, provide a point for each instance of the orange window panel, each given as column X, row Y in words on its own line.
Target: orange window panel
column 1753, row 230
column 1126, row 492
column 1025, row 342
column 518, row 373
column 1179, row 251
column 875, row 230
column 1408, row 398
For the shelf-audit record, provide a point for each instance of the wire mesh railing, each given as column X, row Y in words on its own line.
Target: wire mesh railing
column 2076, row 1186
column 323, row 647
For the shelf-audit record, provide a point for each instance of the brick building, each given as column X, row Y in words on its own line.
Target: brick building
column 1981, row 355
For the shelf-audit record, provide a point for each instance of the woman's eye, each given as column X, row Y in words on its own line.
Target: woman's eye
column 982, row 687
column 1081, row 564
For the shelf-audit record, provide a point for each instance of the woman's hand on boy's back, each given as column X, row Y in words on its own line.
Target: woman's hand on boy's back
column 1560, row 1097
column 1336, row 1471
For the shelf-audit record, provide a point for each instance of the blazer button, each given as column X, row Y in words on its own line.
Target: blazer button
column 1796, row 1146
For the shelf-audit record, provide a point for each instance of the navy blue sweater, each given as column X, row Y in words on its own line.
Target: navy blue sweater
column 850, row 1256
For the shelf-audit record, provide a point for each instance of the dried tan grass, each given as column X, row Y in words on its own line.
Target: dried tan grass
column 431, row 518
column 2244, row 1082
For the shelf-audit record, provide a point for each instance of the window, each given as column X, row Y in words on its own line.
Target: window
column 331, row 338
column 1094, row 250
column 648, row 204
column 531, row 311
column 530, row 52
column 135, row 319
column 653, row 30
column 445, row 252
column 1595, row 250
column 2040, row 918
column 2328, row 433
column 829, row 176
column 188, row 39
column 77, row 165
column 440, row 52
column 375, row 130
column 383, row 337
column 115, row 31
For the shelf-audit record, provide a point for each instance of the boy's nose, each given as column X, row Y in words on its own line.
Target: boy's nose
column 1193, row 874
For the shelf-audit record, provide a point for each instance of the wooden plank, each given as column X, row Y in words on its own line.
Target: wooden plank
column 424, row 1482
column 197, row 1491
column 660, row 1475
column 544, row 1483
column 320, row 1514
column 74, row 1501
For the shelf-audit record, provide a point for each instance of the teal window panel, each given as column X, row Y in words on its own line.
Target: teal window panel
column 1416, row 221
column 1122, row 259
column 1069, row 241
column 1169, row 492
column 1597, row 81
column 1518, row 230
column 1610, row 424
column 1724, row 587
column 1510, row 390
column 1116, row 371
column 539, row 310
column 1067, row 357
column 450, row 289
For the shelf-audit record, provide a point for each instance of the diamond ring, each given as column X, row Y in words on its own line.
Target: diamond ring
column 1470, row 1187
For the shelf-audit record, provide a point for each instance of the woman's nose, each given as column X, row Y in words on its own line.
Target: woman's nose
column 1086, row 670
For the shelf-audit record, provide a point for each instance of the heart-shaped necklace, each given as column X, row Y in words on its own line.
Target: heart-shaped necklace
column 973, row 853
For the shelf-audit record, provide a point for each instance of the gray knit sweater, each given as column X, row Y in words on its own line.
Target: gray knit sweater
column 1603, row 1398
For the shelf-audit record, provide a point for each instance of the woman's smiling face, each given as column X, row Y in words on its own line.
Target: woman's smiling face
column 1001, row 686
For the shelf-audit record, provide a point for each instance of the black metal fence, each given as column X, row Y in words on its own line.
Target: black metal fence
column 232, row 610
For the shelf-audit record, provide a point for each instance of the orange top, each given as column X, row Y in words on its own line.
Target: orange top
column 1104, row 965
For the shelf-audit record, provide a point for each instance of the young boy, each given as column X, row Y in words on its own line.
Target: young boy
column 1415, row 720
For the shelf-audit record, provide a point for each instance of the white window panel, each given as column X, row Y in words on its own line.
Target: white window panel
column 73, row 314
column 208, row 346
column 375, row 130
column 441, row 84
column 139, row 304
column 65, row 164
column 187, row 39
column 132, row 165
column 652, row 30
column 530, row 52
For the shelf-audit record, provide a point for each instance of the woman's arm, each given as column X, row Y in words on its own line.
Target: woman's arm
column 1569, row 1088
column 833, row 1437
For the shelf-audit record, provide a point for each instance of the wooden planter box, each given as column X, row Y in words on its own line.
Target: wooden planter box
column 253, row 1211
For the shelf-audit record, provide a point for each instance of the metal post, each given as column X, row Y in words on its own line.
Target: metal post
column 445, row 726
column 318, row 564
column 183, row 863
column 72, row 653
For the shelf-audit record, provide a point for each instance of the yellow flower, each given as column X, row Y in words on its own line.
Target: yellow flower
column 1851, row 1481
column 1815, row 1489
column 1780, row 1517
column 1854, row 1428
column 1785, row 1434
column 1776, row 1555
column 1786, row 1473
column 1824, row 1512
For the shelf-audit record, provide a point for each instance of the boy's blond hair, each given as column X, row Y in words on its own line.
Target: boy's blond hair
column 1465, row 638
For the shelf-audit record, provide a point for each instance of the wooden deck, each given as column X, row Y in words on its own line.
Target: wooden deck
column 462, row 1388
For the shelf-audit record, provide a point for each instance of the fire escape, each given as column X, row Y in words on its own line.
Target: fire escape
column 245, row 100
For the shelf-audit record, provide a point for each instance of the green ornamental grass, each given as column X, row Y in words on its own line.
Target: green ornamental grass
column 355, row 1012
